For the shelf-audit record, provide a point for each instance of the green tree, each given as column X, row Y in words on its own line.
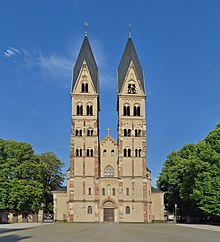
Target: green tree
column 50, row 175
column 27, row 179
column 190, row 177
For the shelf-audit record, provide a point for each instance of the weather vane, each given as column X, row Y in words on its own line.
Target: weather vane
column 129, row 30
column 86, row 27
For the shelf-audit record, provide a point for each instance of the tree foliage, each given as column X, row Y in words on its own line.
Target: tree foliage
column 27, row 179
column 190, row 177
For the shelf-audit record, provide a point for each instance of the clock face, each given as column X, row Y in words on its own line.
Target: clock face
column 132, row 87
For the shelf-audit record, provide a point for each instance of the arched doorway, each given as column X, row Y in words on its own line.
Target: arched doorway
column 109, row 212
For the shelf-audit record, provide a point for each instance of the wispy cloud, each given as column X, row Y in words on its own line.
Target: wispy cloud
column 53, row 65
column 21, row 106
column 11, row 51
column 60, row 66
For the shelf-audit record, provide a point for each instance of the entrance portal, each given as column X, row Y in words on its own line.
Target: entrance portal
column 109, row 215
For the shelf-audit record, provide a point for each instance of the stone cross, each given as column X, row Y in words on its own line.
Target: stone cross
column 108, row 129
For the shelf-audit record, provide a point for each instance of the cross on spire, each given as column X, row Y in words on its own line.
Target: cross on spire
column 108, row 130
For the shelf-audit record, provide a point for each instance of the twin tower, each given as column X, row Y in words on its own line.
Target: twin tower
column 108, row 180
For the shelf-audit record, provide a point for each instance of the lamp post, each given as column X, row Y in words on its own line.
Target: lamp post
column 175, row 207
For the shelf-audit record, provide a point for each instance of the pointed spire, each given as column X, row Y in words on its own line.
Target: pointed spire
column 86, row 54
column 128, row 56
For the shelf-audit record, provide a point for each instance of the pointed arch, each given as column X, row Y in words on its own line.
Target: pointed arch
column 109, row 171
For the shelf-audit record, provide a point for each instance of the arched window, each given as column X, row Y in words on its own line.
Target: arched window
column 127, row 132
column 127, row 191
column 126, row 110
column 137, row 110
column 125, row 152
column 84, row 87
column 89, row 132
column 112, row 153
column 89, row 210
column 105, row 153
column 129, row 152
column 89, row 191
column 127, row 210
column 78, row 152
column 137, row 133
column 137, row 152
column 89, row 110
column 109, row 171
column 103, row 191
column 78, row 132
column 79, row 109
column 89, row 152
column 113, row 191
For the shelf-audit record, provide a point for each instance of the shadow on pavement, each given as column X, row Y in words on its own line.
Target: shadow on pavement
column 10, row 238
column 13, row 236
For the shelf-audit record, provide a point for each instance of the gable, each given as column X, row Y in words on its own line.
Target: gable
column 131, row 84
column 84, row 79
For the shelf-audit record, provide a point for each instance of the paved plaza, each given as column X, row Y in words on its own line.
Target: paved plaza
column 108, row 232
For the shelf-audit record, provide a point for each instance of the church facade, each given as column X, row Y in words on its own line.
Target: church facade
column 108, row 180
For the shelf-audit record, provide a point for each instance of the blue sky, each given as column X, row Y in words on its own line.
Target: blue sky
column 178, row 44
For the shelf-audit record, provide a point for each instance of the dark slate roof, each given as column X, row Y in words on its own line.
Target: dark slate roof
column 128, row 56
column 87, row 55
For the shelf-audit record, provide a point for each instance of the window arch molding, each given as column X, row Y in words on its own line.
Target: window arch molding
column 90, row 131
column 127, row 151
column 84, row 86
column 137, row 109
column 104, row 152
column 89, row 210
column 78, row 131
column 138, row 152
column 79, row 151
column 89, row 109
column 127, row 210
column 89, row 152
column 112, row 153
column 79, row 108
column 126, row 109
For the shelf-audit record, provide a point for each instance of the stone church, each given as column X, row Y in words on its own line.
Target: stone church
column 108, row 180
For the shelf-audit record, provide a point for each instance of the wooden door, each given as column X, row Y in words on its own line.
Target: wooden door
column 109, row 215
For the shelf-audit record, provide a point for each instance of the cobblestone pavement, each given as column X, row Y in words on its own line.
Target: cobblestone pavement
column 107, row 233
